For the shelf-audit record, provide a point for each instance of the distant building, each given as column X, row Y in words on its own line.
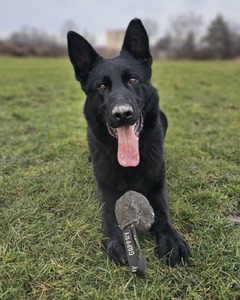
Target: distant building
column 114, row 41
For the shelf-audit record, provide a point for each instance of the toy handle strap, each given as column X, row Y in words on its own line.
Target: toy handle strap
column 136, row 260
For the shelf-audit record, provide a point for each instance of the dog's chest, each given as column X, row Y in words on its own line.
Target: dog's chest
column 138, row 179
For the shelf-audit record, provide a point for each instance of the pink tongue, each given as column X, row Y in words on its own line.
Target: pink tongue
column 128, row 152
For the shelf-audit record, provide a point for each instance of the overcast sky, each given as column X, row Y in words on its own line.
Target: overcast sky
column 97, row 16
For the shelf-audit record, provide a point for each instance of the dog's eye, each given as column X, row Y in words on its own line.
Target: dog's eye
column 133, row 80
column 102, row 87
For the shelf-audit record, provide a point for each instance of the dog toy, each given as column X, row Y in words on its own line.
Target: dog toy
column 134, row 215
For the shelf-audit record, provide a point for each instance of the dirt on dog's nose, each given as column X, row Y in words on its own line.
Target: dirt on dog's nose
column 122, row 113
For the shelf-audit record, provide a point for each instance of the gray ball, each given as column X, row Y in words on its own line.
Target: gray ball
column 134, row 208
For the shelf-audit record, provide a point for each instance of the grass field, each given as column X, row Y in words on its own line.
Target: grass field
column 50, row 237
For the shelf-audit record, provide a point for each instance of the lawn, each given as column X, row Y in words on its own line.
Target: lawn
column 50, row 238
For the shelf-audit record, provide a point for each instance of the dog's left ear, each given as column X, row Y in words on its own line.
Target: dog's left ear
column 136, row 42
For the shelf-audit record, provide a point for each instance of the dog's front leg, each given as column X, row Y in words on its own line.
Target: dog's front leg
column 112, row 235
column 170, row 245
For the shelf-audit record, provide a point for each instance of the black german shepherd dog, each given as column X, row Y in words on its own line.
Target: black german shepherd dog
column 125, row 135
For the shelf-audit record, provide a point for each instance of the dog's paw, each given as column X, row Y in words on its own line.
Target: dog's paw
column 115, row 249
column 172, row 248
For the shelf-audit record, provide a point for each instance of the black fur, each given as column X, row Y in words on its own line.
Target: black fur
column 106, row 83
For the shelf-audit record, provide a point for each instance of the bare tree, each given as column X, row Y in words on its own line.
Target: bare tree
column 185, row 29
column 89, row 37
column 67, row 26
column 30, row 36
column 188, row 48
column 151, row 26
column 33, row 41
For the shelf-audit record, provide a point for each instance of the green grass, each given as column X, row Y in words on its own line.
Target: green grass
column 50, row 238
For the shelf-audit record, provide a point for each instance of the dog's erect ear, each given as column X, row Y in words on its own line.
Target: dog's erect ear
column 136, row 41
column 82, row 55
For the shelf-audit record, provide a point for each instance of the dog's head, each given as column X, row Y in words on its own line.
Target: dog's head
column 117, row 89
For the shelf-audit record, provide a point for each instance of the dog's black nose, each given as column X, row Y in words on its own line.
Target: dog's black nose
column 122, row 113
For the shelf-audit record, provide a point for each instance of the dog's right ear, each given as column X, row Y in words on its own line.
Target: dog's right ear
column 82, row 55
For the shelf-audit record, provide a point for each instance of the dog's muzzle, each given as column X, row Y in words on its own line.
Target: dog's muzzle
column 137, row 128
column 125, row 125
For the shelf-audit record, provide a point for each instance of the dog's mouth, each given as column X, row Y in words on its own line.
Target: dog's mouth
column 128, row 143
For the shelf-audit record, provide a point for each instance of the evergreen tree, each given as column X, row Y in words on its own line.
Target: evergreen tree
column 219, row 38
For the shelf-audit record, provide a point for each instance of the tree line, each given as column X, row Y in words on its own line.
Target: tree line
column 30, row 41
column 183, row 40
